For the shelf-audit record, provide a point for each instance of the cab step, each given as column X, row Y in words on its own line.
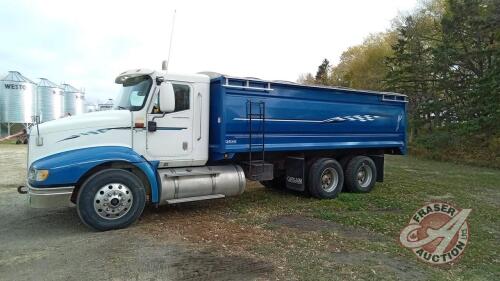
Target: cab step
column 196, row 198
column 258, row 170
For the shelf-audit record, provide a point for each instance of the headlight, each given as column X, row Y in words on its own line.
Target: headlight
column 38, row 175
column 31, row 174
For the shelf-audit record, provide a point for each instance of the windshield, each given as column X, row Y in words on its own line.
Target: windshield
column 134, row 93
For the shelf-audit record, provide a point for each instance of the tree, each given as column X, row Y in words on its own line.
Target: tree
column 306, row 79
column 412, row 71
column 468, row 58
column 363, row 66
column 322, row 73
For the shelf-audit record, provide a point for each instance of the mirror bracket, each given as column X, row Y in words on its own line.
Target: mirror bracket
column 159, row 80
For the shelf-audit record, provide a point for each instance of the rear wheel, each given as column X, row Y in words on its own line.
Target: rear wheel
column 360, row 174
column 326, row 178
column 111, row 199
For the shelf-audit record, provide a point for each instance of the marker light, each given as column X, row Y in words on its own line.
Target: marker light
column 41, row 175
column 38, row 175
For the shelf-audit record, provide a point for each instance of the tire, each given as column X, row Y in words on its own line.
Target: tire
column 111, row 199
column 360, row 174
column 326, row 178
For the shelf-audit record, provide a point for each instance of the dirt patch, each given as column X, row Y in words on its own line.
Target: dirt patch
column 13, row 157
column 312, row 224
column 207, row 265
column 223, row 246
column 382, row 264
column 204, row 222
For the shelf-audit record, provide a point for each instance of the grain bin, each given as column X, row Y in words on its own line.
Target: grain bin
column 49, row 100
column 74, row 100
column 80, row 103
column 18, row 96
column 2, row 107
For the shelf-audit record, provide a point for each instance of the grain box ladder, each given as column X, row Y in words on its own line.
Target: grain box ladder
column 257, row 169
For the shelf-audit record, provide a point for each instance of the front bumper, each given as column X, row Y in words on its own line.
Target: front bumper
column 51, row 197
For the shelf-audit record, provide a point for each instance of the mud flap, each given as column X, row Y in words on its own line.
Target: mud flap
column 379, row 164
column 295, row 173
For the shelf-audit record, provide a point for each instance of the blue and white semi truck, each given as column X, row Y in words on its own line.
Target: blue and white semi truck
column 178, row 138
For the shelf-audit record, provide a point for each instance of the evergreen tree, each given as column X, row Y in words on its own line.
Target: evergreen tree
column 322, row 73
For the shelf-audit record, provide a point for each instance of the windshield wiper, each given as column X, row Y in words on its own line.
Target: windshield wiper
column 121, row 107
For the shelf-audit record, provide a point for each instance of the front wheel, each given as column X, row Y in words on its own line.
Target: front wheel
column 111, row 199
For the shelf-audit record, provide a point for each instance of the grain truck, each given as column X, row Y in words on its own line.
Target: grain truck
column 175, row 138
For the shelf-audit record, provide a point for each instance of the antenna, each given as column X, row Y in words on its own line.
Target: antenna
column 165, row 63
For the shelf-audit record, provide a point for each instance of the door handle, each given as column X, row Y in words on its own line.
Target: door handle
column 200, row 98
column 151, row 126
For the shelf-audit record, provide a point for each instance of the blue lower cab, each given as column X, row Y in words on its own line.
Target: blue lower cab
column 66, row 168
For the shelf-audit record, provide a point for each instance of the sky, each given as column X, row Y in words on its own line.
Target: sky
column 88, row 43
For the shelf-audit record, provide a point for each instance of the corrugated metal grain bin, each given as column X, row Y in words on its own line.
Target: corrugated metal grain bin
column 2, row 107
column 18, row 99
column 49, row 100
column 74, row 100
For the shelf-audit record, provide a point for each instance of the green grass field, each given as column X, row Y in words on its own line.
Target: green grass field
column 356, row 235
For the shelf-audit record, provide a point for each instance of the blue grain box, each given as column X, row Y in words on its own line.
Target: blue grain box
column 298, row 117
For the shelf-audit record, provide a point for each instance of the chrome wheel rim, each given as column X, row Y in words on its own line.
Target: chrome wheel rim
column 329, row 179
column 364, row 175
column 113, row 201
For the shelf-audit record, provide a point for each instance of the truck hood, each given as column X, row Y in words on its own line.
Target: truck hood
column 92, row 120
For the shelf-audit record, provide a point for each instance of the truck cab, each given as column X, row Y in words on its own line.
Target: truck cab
column 169, row 116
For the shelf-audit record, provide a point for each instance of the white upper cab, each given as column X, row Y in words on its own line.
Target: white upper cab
column 163, row 117
column 176, row 106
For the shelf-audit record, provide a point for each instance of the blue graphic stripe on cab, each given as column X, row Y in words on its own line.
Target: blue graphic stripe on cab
column 170, row 128
column 66, row 168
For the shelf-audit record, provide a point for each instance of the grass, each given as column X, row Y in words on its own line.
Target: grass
column 409, row 184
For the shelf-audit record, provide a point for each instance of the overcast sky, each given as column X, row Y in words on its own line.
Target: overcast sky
column 88, row 43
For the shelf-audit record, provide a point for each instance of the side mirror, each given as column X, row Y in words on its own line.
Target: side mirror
column 167, row 97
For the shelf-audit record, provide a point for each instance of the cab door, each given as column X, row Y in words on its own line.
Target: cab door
column 172, row 136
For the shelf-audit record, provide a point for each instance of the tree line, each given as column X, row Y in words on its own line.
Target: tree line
column 445, row 56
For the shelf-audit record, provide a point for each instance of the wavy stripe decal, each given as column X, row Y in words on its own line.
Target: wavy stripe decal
column 94, row 132
column 360, row 118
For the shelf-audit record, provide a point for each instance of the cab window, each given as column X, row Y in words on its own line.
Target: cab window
column 182, row 94
column 181, row 97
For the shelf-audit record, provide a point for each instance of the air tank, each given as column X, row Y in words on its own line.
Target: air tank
column 49, row 100
column 74, row 100
column 18, row 98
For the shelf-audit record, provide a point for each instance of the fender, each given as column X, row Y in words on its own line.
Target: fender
column 66, row 168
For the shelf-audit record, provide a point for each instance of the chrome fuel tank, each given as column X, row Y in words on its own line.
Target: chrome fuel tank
column 198, row 183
